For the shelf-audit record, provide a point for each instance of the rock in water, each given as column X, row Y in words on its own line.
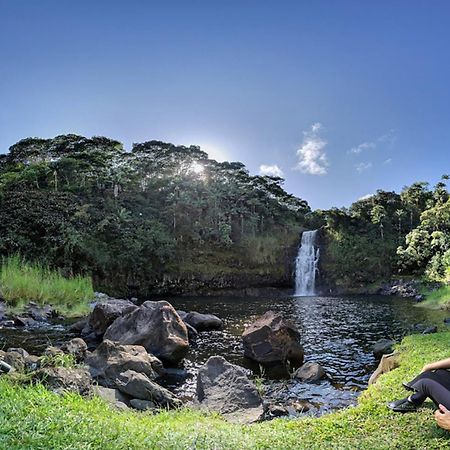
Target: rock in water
column 203, row 322
column 273, row 340
column 105, row 313
column 383, row 347
column 110, row 359
column 310, row 372
column 224, row 388
column 157, row 327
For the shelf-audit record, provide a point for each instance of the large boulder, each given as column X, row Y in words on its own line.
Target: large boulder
column 111, row 396
column 383, row 347
column 61, row 379
column 138, row 385
column 272, row 340
column 157, row 327
column 203, row 322
column 105, row 313
column 224, row 388
column 110, row 359
column 310, row 372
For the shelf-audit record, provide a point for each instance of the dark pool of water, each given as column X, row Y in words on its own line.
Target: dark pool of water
column 337, row 332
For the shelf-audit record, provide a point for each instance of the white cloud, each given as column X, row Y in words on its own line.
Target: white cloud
column 272, row 170
column 361, row 147
column 388, row 161
column 365, row 197
column 388, row 139
column 312, row 158
column 361, row 167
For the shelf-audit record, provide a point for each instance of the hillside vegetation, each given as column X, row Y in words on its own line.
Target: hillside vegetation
column 160, row 218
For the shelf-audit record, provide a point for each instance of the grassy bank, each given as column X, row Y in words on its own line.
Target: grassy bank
column 22, row 282
column 33, row 418
column 438, row 299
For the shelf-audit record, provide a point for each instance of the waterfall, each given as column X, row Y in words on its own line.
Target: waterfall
column 306, row 265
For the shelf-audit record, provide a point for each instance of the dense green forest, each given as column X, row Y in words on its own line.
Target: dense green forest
column 167, row 219
column 158, row 218
column 388, row 234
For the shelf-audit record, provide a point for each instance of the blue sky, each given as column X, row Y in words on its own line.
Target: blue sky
column 341, row 97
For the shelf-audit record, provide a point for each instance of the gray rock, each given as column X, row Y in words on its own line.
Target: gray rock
column 271, row 339
column 157, row 327
column 106, row 312
column 430, row 330
column 111, row 396
column 76, row 347
column 15, row 359
column 20, row 350
column 224, row 388
column 310, row 372
column 32, row 362
column 61, row 379
column 77, row 327
column 203, row 322
column 52, row 351
column 383, row 347
column 138, row 385
column 110, row 359
column 143, row 405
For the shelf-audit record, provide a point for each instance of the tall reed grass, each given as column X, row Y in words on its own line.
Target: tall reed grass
column 22, row 282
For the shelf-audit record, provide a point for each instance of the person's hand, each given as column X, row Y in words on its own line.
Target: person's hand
column 442, row 416
column 427, row 368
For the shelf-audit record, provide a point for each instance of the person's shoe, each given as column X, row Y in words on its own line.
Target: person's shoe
column 408, row 387
column 403, row 406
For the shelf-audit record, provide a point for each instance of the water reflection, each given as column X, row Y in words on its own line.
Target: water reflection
column 337, row 332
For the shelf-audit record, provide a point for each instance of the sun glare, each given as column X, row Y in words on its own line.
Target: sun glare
column 196, row 168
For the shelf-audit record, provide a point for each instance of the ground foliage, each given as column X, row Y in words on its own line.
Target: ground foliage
column 34, row 418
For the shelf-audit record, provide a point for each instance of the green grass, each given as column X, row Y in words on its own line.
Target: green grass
column 22, row 282
column 33, row 418
column 438, row 299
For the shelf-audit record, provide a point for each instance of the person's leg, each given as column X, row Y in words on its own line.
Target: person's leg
column 428, row 387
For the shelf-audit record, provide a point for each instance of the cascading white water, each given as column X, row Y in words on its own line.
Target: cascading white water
column 306, row 265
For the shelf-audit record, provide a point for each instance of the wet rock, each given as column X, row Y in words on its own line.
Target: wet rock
column 273, row 340
column 387, row 363
column 192, row 332
column 105, row 313
column 225, row 388
column 77, row 327
column 2, row 310
column 110, row 359
column 138, row 385
column 8, row 324
column 383, row 347
column 76, row 347
column 61, row 379
column 40, row 313
column 203, row 322
column 419, row 298
column 111, row 396
column 401, row 288
column 143, row 405
column 447, row 321
column 298, row 407
column 310, row 372
column 157, row 327
column 24, row 321
column 430, row 330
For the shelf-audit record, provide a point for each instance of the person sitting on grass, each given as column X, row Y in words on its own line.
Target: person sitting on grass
column 434, row 383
